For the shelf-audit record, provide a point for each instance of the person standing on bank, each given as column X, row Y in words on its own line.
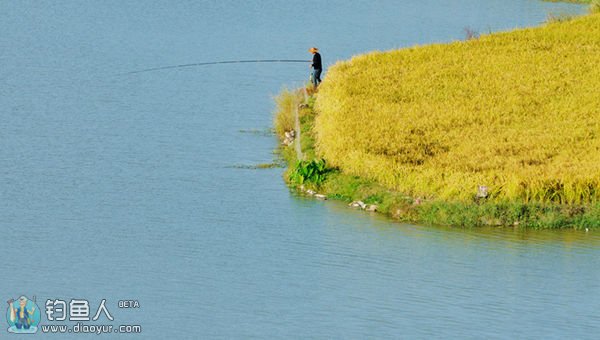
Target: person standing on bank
column 317, row 66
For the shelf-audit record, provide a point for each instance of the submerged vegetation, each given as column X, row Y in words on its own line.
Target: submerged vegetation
column 417, row 131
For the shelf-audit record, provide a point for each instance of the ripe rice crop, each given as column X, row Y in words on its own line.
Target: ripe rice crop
column 518, row 112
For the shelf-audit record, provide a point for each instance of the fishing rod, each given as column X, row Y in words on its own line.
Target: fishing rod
column 220, row 62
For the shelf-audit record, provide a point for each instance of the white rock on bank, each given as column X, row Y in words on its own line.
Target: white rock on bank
column 320, row 197
column 290, row 136
column 482, row 191
column 358, row 204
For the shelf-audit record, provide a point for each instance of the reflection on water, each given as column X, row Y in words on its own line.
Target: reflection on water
column 122, row 187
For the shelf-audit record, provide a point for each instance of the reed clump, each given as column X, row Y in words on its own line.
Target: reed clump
column 517, row 112
column 283, row 119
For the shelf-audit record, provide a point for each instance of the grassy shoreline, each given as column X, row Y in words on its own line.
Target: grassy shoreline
column 380, row 145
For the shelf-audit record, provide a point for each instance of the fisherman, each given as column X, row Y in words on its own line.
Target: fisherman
column 317, row 66
column 22, row 317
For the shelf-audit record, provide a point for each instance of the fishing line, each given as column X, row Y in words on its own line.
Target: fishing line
column 220, row 62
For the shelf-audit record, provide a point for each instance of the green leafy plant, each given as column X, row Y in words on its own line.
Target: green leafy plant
column 312, row 171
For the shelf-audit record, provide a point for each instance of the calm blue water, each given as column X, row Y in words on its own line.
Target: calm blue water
column 125, row 187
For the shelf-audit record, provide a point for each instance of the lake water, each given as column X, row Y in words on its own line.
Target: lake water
column 128, row 186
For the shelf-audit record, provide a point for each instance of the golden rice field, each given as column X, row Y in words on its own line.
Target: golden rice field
column 518, row 112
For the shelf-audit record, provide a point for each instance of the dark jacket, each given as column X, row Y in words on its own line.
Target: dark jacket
column 316, row 63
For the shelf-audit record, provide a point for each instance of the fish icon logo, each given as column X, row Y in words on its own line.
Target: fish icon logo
column 23, row 316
